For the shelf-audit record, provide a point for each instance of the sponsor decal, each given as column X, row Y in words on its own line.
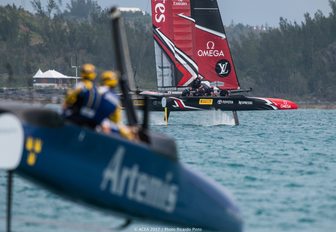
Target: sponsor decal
column 206, row 101
column 34, row 147
column 285, row 105
column 137, row 102
column 168, row 89
column 217, row 83
column 180, row 3
column 210, row 50
column 245, row 102
column 225, row 102
column 159, row 11
column 223, row 68
column 138, row 186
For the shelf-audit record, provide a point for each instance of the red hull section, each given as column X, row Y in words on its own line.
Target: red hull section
column 282, row 104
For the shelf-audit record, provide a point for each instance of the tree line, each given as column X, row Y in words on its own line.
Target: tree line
column 52, row 38
column 293, row 60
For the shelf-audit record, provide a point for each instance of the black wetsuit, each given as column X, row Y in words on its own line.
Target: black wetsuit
column 196, row 83
column 224, row 93
column 207, row 90
column 186, row 92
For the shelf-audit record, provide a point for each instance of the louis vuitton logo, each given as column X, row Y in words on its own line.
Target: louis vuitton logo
column 223, row 68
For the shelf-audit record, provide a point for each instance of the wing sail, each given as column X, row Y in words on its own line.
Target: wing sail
column 213, row 56
column 190, row 41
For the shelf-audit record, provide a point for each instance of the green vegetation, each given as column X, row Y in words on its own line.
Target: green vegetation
column 295, row 61
column 51, row 39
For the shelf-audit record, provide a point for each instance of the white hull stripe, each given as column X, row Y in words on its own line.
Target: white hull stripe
column 211, row 31
column 268, row 102
column 182, row 103
column 186, row 17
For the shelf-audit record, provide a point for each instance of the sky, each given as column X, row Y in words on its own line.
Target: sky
column 250, row 12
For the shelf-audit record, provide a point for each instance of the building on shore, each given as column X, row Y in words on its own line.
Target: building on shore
column 52, row 79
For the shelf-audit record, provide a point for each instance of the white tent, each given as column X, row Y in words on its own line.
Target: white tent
column 52, row 78
column 38, row 74
column 49, row 74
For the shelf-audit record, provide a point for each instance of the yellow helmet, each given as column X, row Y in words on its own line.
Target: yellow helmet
column 110, row 79
column 88, row 72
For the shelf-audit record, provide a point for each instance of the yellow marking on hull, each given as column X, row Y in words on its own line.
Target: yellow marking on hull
column 31, row 160
column 29, row 143
column 139, row 102
column 38, row 146
column 34, row 147
column 206, row 101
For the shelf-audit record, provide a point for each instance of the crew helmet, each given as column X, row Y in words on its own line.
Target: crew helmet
column 88, row 72
column 110, row 79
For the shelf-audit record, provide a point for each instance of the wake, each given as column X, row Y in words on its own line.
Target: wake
column 199, row 118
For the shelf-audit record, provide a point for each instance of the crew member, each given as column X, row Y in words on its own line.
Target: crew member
column 81, row 103
column 224, row 93
column 196, row 84
column 187, row 92
column 207, row 90
column 110, row 110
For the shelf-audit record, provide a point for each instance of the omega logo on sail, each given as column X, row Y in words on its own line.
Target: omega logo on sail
column 210, row 51
column 160, row 10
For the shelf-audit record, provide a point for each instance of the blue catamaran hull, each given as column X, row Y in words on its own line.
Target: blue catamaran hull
column 137, row 180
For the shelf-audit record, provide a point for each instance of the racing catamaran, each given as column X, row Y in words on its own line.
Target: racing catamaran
column 141, row 180
column 190, row 42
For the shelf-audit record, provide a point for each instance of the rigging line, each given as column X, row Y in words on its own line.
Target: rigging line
column 135, row 68
column 135, row 72
column 148, row 5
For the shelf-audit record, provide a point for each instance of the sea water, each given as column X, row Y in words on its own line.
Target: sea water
column 280, row 166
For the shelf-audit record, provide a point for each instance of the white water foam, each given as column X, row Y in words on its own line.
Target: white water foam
column 202, row 118
column 157, row 119
column 221, row 118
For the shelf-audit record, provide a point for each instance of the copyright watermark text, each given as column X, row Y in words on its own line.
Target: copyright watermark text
column 166, row 229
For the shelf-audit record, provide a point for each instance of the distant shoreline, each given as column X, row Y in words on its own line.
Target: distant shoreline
column 322, row 106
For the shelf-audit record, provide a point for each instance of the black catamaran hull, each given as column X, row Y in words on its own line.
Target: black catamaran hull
column 158, row 102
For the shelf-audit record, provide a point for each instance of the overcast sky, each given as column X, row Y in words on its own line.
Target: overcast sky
column 252, row 12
